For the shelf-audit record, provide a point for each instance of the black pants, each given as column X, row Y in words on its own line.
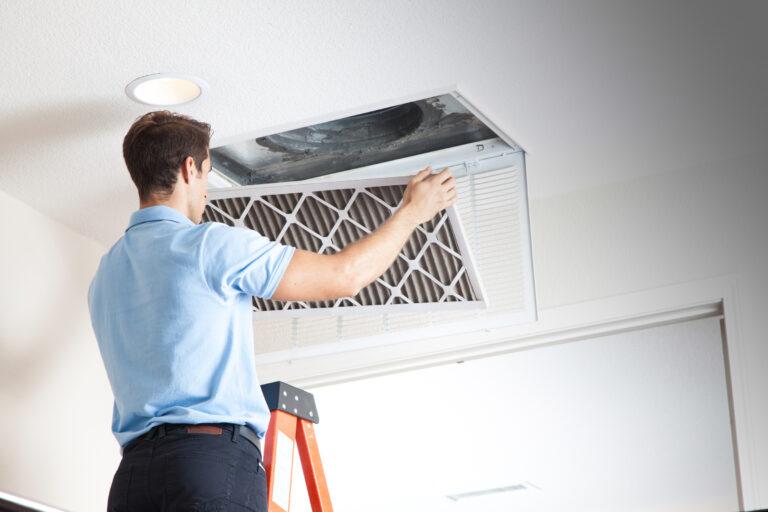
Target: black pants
column 178, row 471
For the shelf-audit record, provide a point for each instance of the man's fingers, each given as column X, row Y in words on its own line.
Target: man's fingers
column 448, row 199
column 442, row 176
column 419, row 176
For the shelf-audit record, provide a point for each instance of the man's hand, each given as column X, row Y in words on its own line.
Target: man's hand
column 427, row 194
column 312, row 276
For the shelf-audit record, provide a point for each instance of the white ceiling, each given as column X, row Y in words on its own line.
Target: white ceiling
column 596, row 92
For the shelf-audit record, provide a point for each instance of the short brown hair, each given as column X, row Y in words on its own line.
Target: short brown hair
column 156, row 146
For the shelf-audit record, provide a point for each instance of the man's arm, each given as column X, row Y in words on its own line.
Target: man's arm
column 312, row 276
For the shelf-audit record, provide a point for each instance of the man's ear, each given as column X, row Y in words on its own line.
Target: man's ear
column 187, row 168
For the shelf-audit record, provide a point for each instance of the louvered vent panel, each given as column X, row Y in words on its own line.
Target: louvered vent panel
column 490, row 208
column 433, row 268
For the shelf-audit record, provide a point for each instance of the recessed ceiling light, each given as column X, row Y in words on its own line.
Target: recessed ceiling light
column 165, row 89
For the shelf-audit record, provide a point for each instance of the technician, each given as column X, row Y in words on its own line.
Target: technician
column 171, row 309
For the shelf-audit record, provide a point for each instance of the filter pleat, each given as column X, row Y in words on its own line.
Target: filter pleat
column 265, row 220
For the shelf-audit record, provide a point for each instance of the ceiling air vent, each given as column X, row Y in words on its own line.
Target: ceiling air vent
column 325, row 182
column 433, row 269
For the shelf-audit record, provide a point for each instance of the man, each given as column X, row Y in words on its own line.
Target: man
column 171, row 309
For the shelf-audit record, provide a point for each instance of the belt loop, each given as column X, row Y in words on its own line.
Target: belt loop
column 161, row 431
column 235, row 433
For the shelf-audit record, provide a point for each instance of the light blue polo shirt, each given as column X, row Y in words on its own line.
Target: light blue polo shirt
column 171, row 309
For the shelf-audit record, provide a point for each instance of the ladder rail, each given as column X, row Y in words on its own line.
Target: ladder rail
column 291, row 429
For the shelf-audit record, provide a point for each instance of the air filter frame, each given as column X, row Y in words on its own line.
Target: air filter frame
column 450, row 215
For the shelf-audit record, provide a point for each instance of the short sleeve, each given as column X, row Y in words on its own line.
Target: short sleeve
column 239, row 260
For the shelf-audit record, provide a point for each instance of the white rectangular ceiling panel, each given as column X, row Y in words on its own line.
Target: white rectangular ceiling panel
column 300, row 184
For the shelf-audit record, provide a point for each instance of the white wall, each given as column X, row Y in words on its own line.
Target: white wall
column 55, row 401
column 634, row 421
column 665, row 229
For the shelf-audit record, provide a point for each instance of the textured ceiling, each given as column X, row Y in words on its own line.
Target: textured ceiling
column 596, row 92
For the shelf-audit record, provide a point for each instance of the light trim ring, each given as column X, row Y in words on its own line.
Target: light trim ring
column 165, row 89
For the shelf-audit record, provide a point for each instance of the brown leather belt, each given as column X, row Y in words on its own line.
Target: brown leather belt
column 211, row 429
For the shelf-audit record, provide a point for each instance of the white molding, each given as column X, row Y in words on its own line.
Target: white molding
column 525, row 233
column 740, row 396
column 311, row 367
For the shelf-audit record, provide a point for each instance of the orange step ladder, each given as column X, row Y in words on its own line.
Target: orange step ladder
column 293, row 414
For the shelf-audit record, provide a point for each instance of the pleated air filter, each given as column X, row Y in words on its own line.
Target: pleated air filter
column 433, row 271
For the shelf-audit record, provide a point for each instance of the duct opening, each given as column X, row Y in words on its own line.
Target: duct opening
column 370, row 138
column 356, row 133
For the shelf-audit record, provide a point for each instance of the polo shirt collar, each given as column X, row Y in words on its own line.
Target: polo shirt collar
column 159, row 212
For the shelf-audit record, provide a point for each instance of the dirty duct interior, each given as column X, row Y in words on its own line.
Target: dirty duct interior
column 387, row 134
column 432, row 268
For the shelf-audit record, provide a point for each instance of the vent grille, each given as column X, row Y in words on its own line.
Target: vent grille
column 433, row 270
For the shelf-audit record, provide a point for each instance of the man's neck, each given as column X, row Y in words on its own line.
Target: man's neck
column 172, row 201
